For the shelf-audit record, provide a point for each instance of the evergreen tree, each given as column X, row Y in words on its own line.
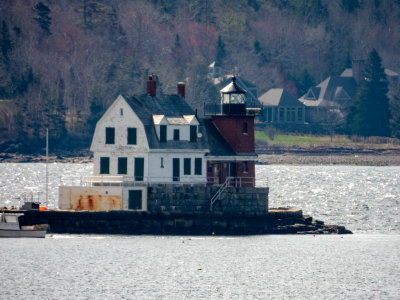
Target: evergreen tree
column 369, row 115
column 43, row 18
column 221, row 53
column 5, row 43
column 395, row 113
column 303, row 82
column 349, row 5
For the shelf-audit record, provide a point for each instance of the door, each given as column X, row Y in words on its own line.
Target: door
column 135, row 199
column 217, row 174
column 175, row 169
column 139, row 168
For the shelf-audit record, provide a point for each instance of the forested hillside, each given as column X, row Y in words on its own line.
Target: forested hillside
column 64, row 61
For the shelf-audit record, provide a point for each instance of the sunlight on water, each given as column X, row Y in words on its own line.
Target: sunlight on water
column 364, row 199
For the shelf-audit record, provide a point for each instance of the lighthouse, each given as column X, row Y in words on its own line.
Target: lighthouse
column 233, row 119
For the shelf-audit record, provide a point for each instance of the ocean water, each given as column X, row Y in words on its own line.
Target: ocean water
column 364, row 265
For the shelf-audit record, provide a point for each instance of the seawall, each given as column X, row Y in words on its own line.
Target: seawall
column 278, row 221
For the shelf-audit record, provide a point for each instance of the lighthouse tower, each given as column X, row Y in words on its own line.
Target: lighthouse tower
column 233, row 118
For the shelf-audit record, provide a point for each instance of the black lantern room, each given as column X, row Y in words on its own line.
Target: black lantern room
column 233, row 99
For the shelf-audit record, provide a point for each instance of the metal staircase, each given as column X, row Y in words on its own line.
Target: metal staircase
column 217, row 195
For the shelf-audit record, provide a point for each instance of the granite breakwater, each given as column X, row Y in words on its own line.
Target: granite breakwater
column 276, row 221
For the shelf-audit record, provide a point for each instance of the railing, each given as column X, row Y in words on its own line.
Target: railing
column 234, row 181
column 217, row 195
column 109, row 180
column 230, row 109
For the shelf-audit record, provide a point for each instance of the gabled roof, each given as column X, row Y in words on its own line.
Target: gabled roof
column 171, row 108
column 349, row 73
column 333, row 91
column 279, row 97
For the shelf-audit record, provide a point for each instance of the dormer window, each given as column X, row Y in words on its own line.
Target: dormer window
column 163, row 133
column 193, row 133
column 176, row 134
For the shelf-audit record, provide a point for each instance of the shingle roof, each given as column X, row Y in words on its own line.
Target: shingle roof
column 217, row 144
column 171, row 106
column 328, row 95
column 279, row 97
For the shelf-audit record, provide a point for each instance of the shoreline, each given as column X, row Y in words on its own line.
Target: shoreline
column 274, row 221
column 384, row 158
column 355, row 159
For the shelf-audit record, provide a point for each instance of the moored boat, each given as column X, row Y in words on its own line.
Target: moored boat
column 10, row 227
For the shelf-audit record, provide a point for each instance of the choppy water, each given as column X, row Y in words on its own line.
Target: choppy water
column 360, row 266
column 364, row 199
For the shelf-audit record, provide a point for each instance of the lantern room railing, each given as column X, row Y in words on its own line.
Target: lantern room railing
column 232, row 110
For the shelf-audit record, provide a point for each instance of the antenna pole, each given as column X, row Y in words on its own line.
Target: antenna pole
column 47, row 167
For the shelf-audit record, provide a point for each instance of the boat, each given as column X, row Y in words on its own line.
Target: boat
column 10, row 227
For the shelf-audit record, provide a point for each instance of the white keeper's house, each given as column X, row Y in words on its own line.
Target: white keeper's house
column 150, row 142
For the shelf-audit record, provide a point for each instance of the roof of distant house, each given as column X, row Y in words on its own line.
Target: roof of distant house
column 279, row 97
column 333, row 91
column 349, row 73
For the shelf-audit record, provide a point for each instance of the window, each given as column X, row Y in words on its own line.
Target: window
column 245, row 167
column 232, row 169
column 139, row 168
column 132, row 136
column 197, row 166
column 186, row 166
column 193, row 133
column 176, row 134
column 163, row 133
column 162, row 162
column 110, row 135
column 300, row 114
column 104, row 165
column 245, row 129
column 122, row 165
column 281, row 114
column 121, row 111
column 175, row 169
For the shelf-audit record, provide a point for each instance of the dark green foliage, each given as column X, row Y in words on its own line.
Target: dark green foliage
column 312, row 11
column 303, row 82
column 254, row 4
column 201, row 90
column 349, row 5
column 395, row 115
column 262, row 57
column 220, row 48
column 369, row 116
column 96, row 110
column 43, row 17
column 6, row 45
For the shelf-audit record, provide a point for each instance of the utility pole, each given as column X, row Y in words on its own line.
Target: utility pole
column 47, row 167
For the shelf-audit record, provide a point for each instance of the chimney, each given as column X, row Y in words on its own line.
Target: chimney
column 152, row 85
column 181, row 89
column 358, row 69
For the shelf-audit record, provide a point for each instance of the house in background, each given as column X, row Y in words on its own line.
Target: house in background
column 281, row 107
column 327, row 102
column 153, row 153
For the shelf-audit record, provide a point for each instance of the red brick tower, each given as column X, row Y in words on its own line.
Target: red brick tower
column 234, row 119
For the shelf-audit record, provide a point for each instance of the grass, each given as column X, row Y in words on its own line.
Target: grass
column 285, row 140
